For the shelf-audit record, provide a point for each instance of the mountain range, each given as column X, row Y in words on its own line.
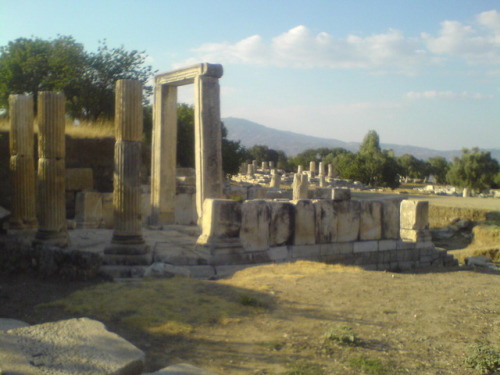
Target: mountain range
column 250, row 133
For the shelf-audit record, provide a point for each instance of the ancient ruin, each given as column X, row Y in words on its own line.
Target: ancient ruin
column 208, row 158
column 265, row 215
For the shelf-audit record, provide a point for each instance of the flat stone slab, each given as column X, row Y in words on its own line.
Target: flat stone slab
column 6, row 324
column 182, row 369
column 76, row 346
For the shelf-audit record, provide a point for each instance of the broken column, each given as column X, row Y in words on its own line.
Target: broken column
column 312, row 169
column 330, row 171
column 321, row 169
column 300, row 186
column 127, row 244
column 51, row 170
column 275, row 179
column 250, row 171
column 414, row 221
column 22, row 168
column 265, row 166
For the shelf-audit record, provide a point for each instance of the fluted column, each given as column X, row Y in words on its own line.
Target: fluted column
column 22, row 166
column 128, row 246
column 51, row 170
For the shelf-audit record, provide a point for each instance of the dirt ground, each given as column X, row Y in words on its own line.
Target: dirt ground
column 289, row 318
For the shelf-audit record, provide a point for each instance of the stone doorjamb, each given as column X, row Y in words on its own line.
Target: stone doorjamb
column 208, row 139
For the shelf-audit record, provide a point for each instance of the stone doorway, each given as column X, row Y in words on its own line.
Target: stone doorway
column 208, row 139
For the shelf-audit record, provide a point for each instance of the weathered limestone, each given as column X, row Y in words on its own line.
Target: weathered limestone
column 312, row 169
column 300, row 186
column 330, row 171
column 208, row 139
column 282, row 223
column 221, row 222
column 255, row 222
column 414, row 221
column 370, row 225
column 390, row 218
column 88, row 209
column 22, row 168
column 305, row 223
column 275, row 179
column 75, row 346
column 51, row 170
column 322, row 182
column 265, row 166
column 348, row 218
column 79, row 179
column 341, row 194
column 321, row 169
column 128, row 245
column 250, row 171
column 300, row 169
column 326, row 221
column 271, row 164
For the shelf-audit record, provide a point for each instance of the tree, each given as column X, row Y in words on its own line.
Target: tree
column 263, row 153
column 371, row 165
column 414, row 168
column 31, row 65
column 439, row 167
column 475, row 170
column 86, row 78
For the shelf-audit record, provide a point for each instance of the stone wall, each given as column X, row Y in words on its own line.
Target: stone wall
column 384, row 234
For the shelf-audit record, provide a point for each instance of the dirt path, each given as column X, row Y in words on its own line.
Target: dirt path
column 406, row 323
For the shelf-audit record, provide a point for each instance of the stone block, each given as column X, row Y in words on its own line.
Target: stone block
column 107, row 210
column 404, row 245
column 370, row 224
column 348, row 217
column 390, row 218
column 221, row 219
column 279, row 254
column 305, row 223
column 341, row 194
column 414, row 215
column 305, row 251
column 365, row 246
column 75, row 346
column 415, row 235
column 145, row 207
column 255, row 222
column 384, row 245
column 88, row 209
column 326, row 221
column 321, row 193
column 337, row 248
column 79, row 179
column 185, row 209
column 282, row 223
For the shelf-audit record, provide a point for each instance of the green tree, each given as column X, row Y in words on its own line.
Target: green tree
column 31, row 65
column 411, row 167
column 263, row 153
column 371, row 165
column 87, row 79
column 439, row 167
column 475, row 169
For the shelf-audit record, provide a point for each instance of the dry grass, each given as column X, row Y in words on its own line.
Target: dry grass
column 85, row 129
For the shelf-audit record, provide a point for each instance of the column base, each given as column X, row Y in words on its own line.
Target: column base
column 51, row 238
column 128, row 254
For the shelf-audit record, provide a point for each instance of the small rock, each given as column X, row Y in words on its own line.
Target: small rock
column 6, row 324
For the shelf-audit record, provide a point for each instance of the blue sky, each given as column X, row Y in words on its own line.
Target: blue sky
column 423, row 73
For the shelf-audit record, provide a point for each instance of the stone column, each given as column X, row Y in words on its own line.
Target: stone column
column 249, row 170
column 51, row 170
column 312, row 168
column 321, row 169
column 22, row 168
column 265, row 166
column 127, row 244
column 271, row 164
column 330, row 170
column 300, row 169
column 208, row 140
column 300, row 186
column 164, row 155
column 275, row 179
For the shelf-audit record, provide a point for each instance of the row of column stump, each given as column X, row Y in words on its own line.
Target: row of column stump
column 39, row 200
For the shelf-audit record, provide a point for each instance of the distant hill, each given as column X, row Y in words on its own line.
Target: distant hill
column 251, row 134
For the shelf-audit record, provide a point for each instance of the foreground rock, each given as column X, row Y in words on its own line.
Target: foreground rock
column 182, row 369
column 75, row 346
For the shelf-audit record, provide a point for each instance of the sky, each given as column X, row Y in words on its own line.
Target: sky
column 422, row 73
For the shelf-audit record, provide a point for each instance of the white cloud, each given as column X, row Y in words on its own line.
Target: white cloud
column 450, row 95
column 299, row 47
